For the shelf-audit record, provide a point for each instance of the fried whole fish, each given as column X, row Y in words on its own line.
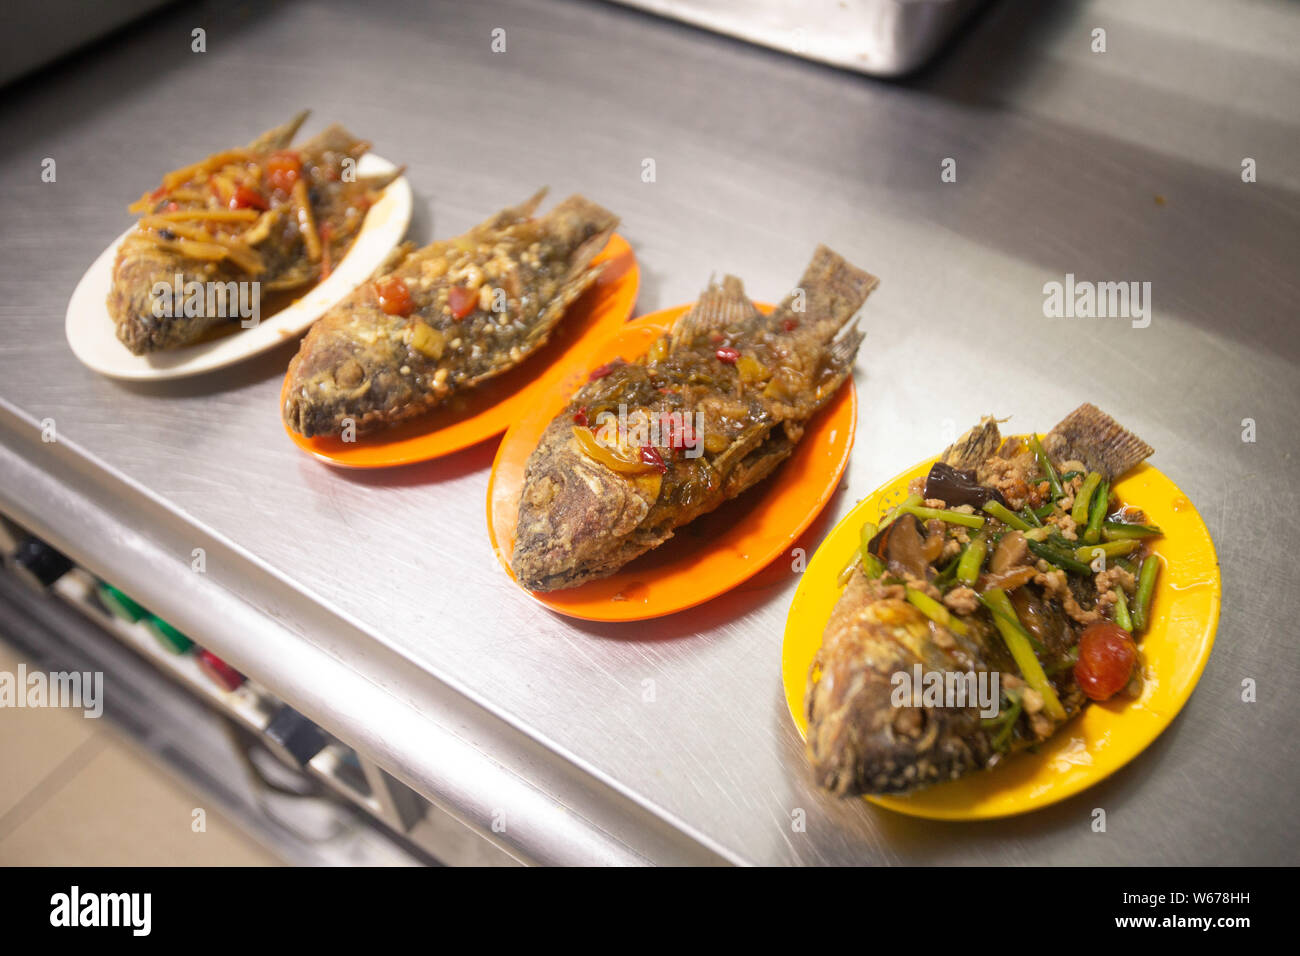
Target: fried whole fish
column 713, row 408
column 264, row 213
column 445, row 318
column 920, row 600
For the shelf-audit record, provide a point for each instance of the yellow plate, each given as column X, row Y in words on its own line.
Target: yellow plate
column 1184, row 614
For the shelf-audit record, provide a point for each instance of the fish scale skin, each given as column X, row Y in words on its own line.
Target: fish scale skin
column 139, row 266
column 575, row 514
column 858, row 741
column 855, row 742
column 358, row 363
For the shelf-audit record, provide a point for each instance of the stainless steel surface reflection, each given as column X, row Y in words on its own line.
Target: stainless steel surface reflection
column 372, row 601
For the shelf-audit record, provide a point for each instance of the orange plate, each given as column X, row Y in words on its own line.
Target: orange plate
column 488, row 410
column 712, row 554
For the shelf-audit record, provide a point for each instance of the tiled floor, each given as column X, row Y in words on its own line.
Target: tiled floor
column 72, row 792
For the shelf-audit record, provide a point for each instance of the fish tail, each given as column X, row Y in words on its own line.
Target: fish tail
column 280, row 136
column 840, row 361
column 1091, row 436
column 830, row 293
column 845, row 348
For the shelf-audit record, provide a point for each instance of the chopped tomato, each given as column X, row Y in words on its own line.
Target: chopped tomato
column 283, row 169
column 173, row 206
column 1107, row 656
column 394, row 296
column 600, row 371
column 245, row 198
column 727, row 354
column 580, row 416
column 461, row 301
column 790, row 324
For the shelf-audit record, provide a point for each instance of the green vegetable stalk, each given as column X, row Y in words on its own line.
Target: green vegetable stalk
column 1084, row 498
column 1122, row 616
column 1008, row 517
column 872, row 566
column 1098, row 514
column 1045, row 463
column 1145, row 590
column 972, row 559
column 951, row 517
column 1112, row 549
column 934, row 610
column 1018, row 643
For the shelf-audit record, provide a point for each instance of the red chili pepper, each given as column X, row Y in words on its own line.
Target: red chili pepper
column 394, row 296
column 245, row 198
column 461, row 301
column 580, row 417
column 650, row 455
column 679, row 432
column 727, row 354
column 600, row 371
column 790, row 324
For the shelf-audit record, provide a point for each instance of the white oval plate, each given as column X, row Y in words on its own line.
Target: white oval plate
column 93, row 336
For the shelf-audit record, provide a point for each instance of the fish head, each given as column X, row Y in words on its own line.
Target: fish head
column 578, row 519
column 358, row 371
column 864, row 735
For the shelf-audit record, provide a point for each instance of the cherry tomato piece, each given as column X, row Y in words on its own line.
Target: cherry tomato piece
column 580, row 417
column 394, row 296
column 1107, row 656
column 790, row 324
column 245, row 198
column 461, row 301
column 283, row 168
column 727, row 354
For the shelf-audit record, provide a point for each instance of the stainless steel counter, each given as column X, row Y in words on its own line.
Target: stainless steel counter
column 372, row 602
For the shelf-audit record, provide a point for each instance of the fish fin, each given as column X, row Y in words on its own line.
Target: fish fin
column 759, row 463
column 974, row 447
column 1091, row 436
column 395, row 258
column 280, row 136
column 722, row 305
column 832, row 290
column 512, row 214
column 845, row 348
column 751, row 438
